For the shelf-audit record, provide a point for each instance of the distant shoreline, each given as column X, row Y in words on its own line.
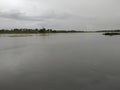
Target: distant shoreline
column 36, row 31
column 45, row 31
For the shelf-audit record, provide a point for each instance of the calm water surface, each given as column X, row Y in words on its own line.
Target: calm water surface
column 59, row 62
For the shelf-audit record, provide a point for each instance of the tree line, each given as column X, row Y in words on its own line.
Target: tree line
column 42, row 30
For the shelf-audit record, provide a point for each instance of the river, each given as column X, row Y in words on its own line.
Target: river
column 73, row 61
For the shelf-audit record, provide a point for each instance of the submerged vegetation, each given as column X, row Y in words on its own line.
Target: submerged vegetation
column 43, row 30
column 20, row 35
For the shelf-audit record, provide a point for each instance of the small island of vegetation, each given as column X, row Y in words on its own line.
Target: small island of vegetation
column 110, row 32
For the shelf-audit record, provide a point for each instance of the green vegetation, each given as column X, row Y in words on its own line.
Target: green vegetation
column 111, row 33
column 28, row 31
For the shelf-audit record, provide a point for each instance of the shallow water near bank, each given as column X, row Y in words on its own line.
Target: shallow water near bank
column 77, row 61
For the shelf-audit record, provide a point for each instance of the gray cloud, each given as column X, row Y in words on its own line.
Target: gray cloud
column 67, row 14
column 22, row 16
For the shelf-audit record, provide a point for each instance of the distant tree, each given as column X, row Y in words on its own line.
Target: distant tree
column 43, row 30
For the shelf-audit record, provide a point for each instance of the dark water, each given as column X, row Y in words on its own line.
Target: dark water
column 59, row 62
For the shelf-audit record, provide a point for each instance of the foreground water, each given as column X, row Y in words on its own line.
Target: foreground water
column 59, row 62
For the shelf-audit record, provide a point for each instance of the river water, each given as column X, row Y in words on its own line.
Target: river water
column 59, row 62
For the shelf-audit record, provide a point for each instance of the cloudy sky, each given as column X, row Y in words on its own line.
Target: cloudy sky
column 60, row 14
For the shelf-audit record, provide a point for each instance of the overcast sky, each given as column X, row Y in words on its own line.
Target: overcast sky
column 60, row 14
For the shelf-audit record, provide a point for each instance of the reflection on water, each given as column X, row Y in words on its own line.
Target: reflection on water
column 60, row 62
